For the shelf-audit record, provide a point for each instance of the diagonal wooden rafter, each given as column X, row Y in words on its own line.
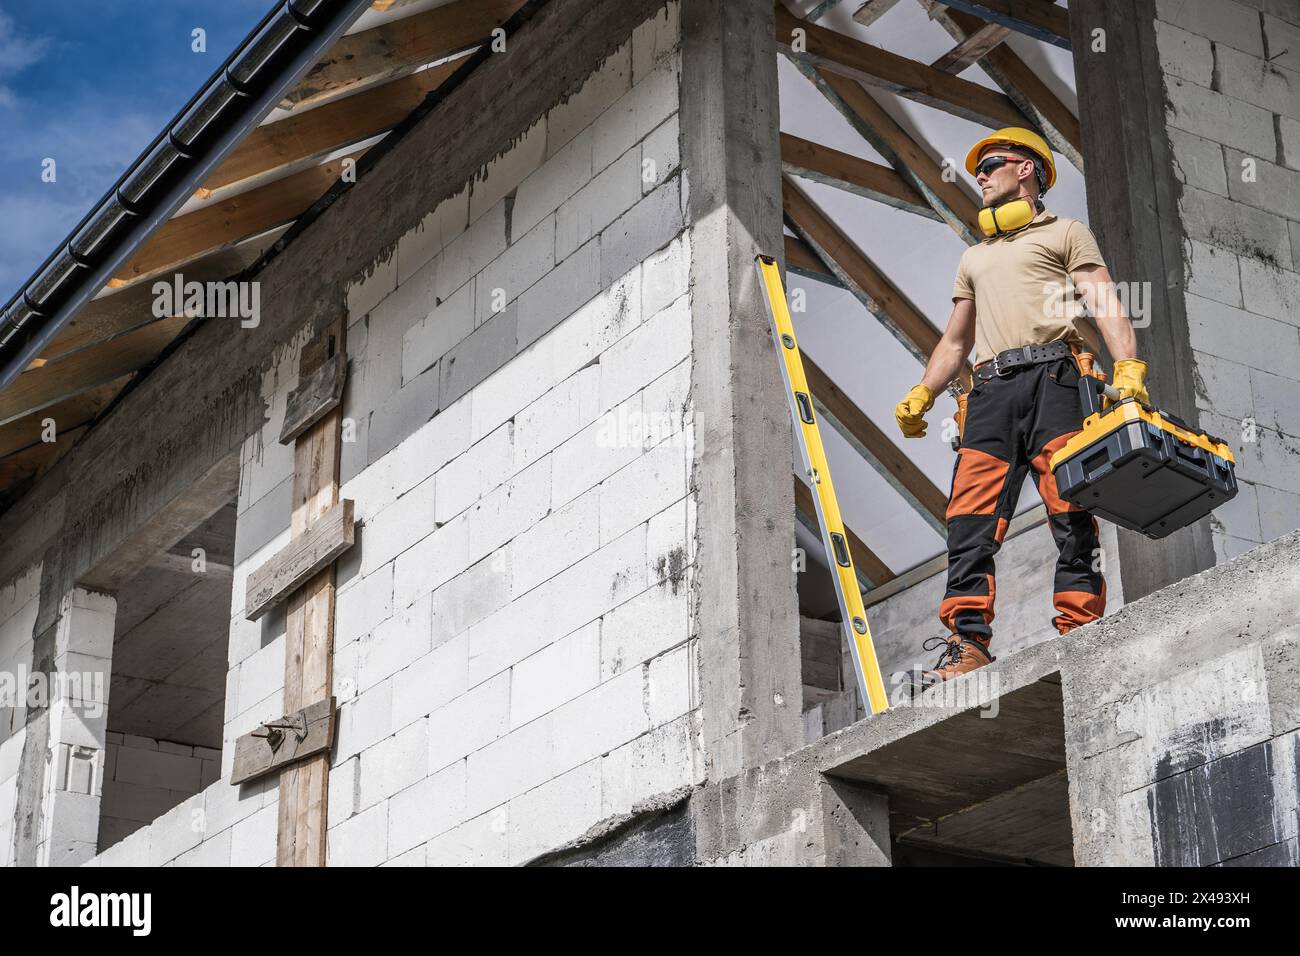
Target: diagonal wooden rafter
column 862, row 177
column 226, row 222
column 872, row 10
column 88, row 368
column 867, row 283
column 400, row 46
column 335, row 125
column 972, row 48
column 867, row 562
column 874, row 445
column 802, row 260
column 1034, row 18
column 66, row 415
column 1021, row 83
column 946, row 196
column 837, row 53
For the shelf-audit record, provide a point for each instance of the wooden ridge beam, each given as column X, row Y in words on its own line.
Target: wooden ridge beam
column 1046, row 111
column 953, row 203
column 837, row 53
column 1034, row 18
column 862, row 177
column 335, row 125
column 874, row 445
column 974, row 47
column 400, row 46
column 867, row 561
column 229, row 221
column 87, row 368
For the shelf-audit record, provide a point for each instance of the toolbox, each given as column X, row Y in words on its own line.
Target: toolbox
column 1141, row 468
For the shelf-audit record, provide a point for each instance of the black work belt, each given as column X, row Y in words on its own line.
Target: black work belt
column 1004, row 363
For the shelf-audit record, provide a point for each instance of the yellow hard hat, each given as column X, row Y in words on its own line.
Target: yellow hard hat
column 1015, row 136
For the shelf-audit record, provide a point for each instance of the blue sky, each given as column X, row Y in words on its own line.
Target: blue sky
column 89, row 83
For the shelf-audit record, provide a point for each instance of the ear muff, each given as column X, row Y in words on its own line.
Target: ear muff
column 1007, row 217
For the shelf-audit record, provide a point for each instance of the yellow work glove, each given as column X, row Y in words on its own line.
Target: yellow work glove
column 910, row 412
column 1129, row 379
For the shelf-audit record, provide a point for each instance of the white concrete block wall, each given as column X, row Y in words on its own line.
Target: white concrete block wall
column 513, row 660
column 512, row 653
column 18, row 607
column 144, row 778
column 1233, row 87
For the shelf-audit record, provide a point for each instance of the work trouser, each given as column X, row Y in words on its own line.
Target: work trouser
column 1014, row 423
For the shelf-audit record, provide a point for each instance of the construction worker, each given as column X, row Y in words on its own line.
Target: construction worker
column 1015, row 300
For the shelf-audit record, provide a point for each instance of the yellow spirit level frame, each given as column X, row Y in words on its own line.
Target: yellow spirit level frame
column 870, row 684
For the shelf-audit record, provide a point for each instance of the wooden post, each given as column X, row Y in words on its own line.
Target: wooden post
column 309, row 628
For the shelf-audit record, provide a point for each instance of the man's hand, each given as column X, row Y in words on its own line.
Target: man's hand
column 910, row 412
column 1129, row 379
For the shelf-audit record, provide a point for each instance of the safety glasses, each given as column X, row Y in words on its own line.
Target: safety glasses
column 989, row 163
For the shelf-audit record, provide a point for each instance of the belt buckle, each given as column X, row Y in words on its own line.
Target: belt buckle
column 997, row 367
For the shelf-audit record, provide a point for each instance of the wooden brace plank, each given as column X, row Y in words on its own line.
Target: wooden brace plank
column 276, row 744
column 301, row 560
column 972, row 49
column 314, row 398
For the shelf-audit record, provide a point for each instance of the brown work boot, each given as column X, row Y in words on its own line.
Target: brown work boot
column 961, row 655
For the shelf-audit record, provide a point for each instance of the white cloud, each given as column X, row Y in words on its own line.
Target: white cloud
column 18, row 52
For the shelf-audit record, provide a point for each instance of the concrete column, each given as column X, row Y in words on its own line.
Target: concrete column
column 1133, row 210
column 745, row 604
column 57, row 818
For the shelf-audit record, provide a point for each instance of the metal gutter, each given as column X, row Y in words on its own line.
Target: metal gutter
column 252, row 81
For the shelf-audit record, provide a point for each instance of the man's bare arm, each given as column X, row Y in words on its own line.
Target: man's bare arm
column 1098, row 290
column 950, row 354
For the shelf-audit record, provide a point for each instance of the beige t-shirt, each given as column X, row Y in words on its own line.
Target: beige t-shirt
column 1021, row 285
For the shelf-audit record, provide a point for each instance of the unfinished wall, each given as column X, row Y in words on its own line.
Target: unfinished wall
column 1232, row 82
column 513, row 633
column 1182, row 717
column 512, row 653
column 144, row 778
column 1188, row 112
column 19, row 600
